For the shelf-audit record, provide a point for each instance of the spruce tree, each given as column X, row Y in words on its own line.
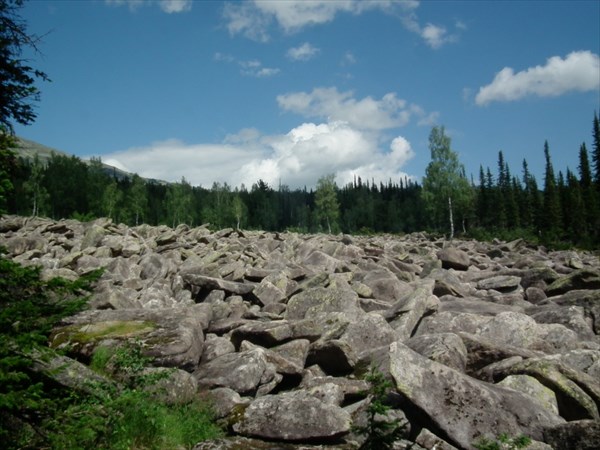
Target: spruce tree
column 551, row 217
column 589, row 195
column 596, row 151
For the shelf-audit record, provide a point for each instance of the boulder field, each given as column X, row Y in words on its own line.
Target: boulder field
column 278, row 330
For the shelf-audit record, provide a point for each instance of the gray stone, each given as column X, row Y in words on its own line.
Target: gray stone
column 241, row 372
column 500, row 283
column 577, row 393
column 453, row 258
column 173, row 337
column 318, row 300
column 579, row 279
column 531, row 386
column 445, row 348
column 293, row 416
column 461, row 407
column 575, row 435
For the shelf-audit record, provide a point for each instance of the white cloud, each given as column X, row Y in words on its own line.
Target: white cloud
column 169, row 160
column 133, row 5
column 168, row 6
column 348, row 59
column 579, row 71
column 364, row 114
column 434, row 36
column 252, row 18
column 298, row 158
column 251, row 67
column 175, row 6
column 303, row 52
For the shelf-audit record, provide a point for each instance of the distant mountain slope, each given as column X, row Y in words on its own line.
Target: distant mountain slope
column 28, row 149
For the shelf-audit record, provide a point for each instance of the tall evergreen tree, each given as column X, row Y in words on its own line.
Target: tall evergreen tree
column 590, row 197
column 596, row 151
column 551, row 213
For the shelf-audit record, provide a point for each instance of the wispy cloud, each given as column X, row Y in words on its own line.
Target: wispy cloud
column 303, row 52
column 348, row 59
column 578, row 71
column 252, row 67
column 366, row 113
column 168, row 6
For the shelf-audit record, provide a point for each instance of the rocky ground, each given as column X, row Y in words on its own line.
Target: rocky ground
column 278, row 329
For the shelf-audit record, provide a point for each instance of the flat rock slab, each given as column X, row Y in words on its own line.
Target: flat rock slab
column 465, row 409
column 293, row 416
column 173, row 337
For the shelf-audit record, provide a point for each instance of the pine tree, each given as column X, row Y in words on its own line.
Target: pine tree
column 589, row 195
column 596, row 151
column 574, row 211
column 551, row 214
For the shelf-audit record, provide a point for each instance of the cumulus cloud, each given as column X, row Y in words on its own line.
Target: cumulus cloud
column 365, row 114
column 169, row 160
column 298, row 158
column 168, row 6
column 579, row 71
column 252, row 18
column 302, row 53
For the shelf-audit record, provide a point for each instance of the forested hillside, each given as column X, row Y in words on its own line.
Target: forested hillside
column 564, row 206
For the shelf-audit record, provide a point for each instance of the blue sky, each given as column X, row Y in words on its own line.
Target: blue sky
column 292, row 90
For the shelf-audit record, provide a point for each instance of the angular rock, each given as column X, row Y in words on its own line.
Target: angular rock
column 575, row 435
column 453, row 258
column 578, row 395
column 318, row 300
column 579, row 279
column 230, row 287
column 215, row 346
column 241, row 372
column 225, row 400
column 531, row 386
column 265, row 334
column 463, row 408
column 407, row 313
column 500, row 283
column 173, row 337
column 445, row 348
column 293, row 416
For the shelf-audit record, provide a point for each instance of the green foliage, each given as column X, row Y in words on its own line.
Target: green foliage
column 29, row 307
column 36, row 413
column 131, row 417
column 381, row 434
column 327, row 206
column 503, row 442
column 16, row 78
column 446, row 191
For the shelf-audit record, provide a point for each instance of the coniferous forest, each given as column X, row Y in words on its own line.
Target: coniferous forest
column 500, row 202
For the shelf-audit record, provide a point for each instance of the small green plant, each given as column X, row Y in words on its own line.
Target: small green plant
column 380, row 434
column 503, row 442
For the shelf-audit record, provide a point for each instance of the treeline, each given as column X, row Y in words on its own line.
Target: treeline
column 563, row 207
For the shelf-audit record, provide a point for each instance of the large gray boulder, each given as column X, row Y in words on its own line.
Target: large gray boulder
column 173, row 337
column 293, row 416
column 463, row 408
